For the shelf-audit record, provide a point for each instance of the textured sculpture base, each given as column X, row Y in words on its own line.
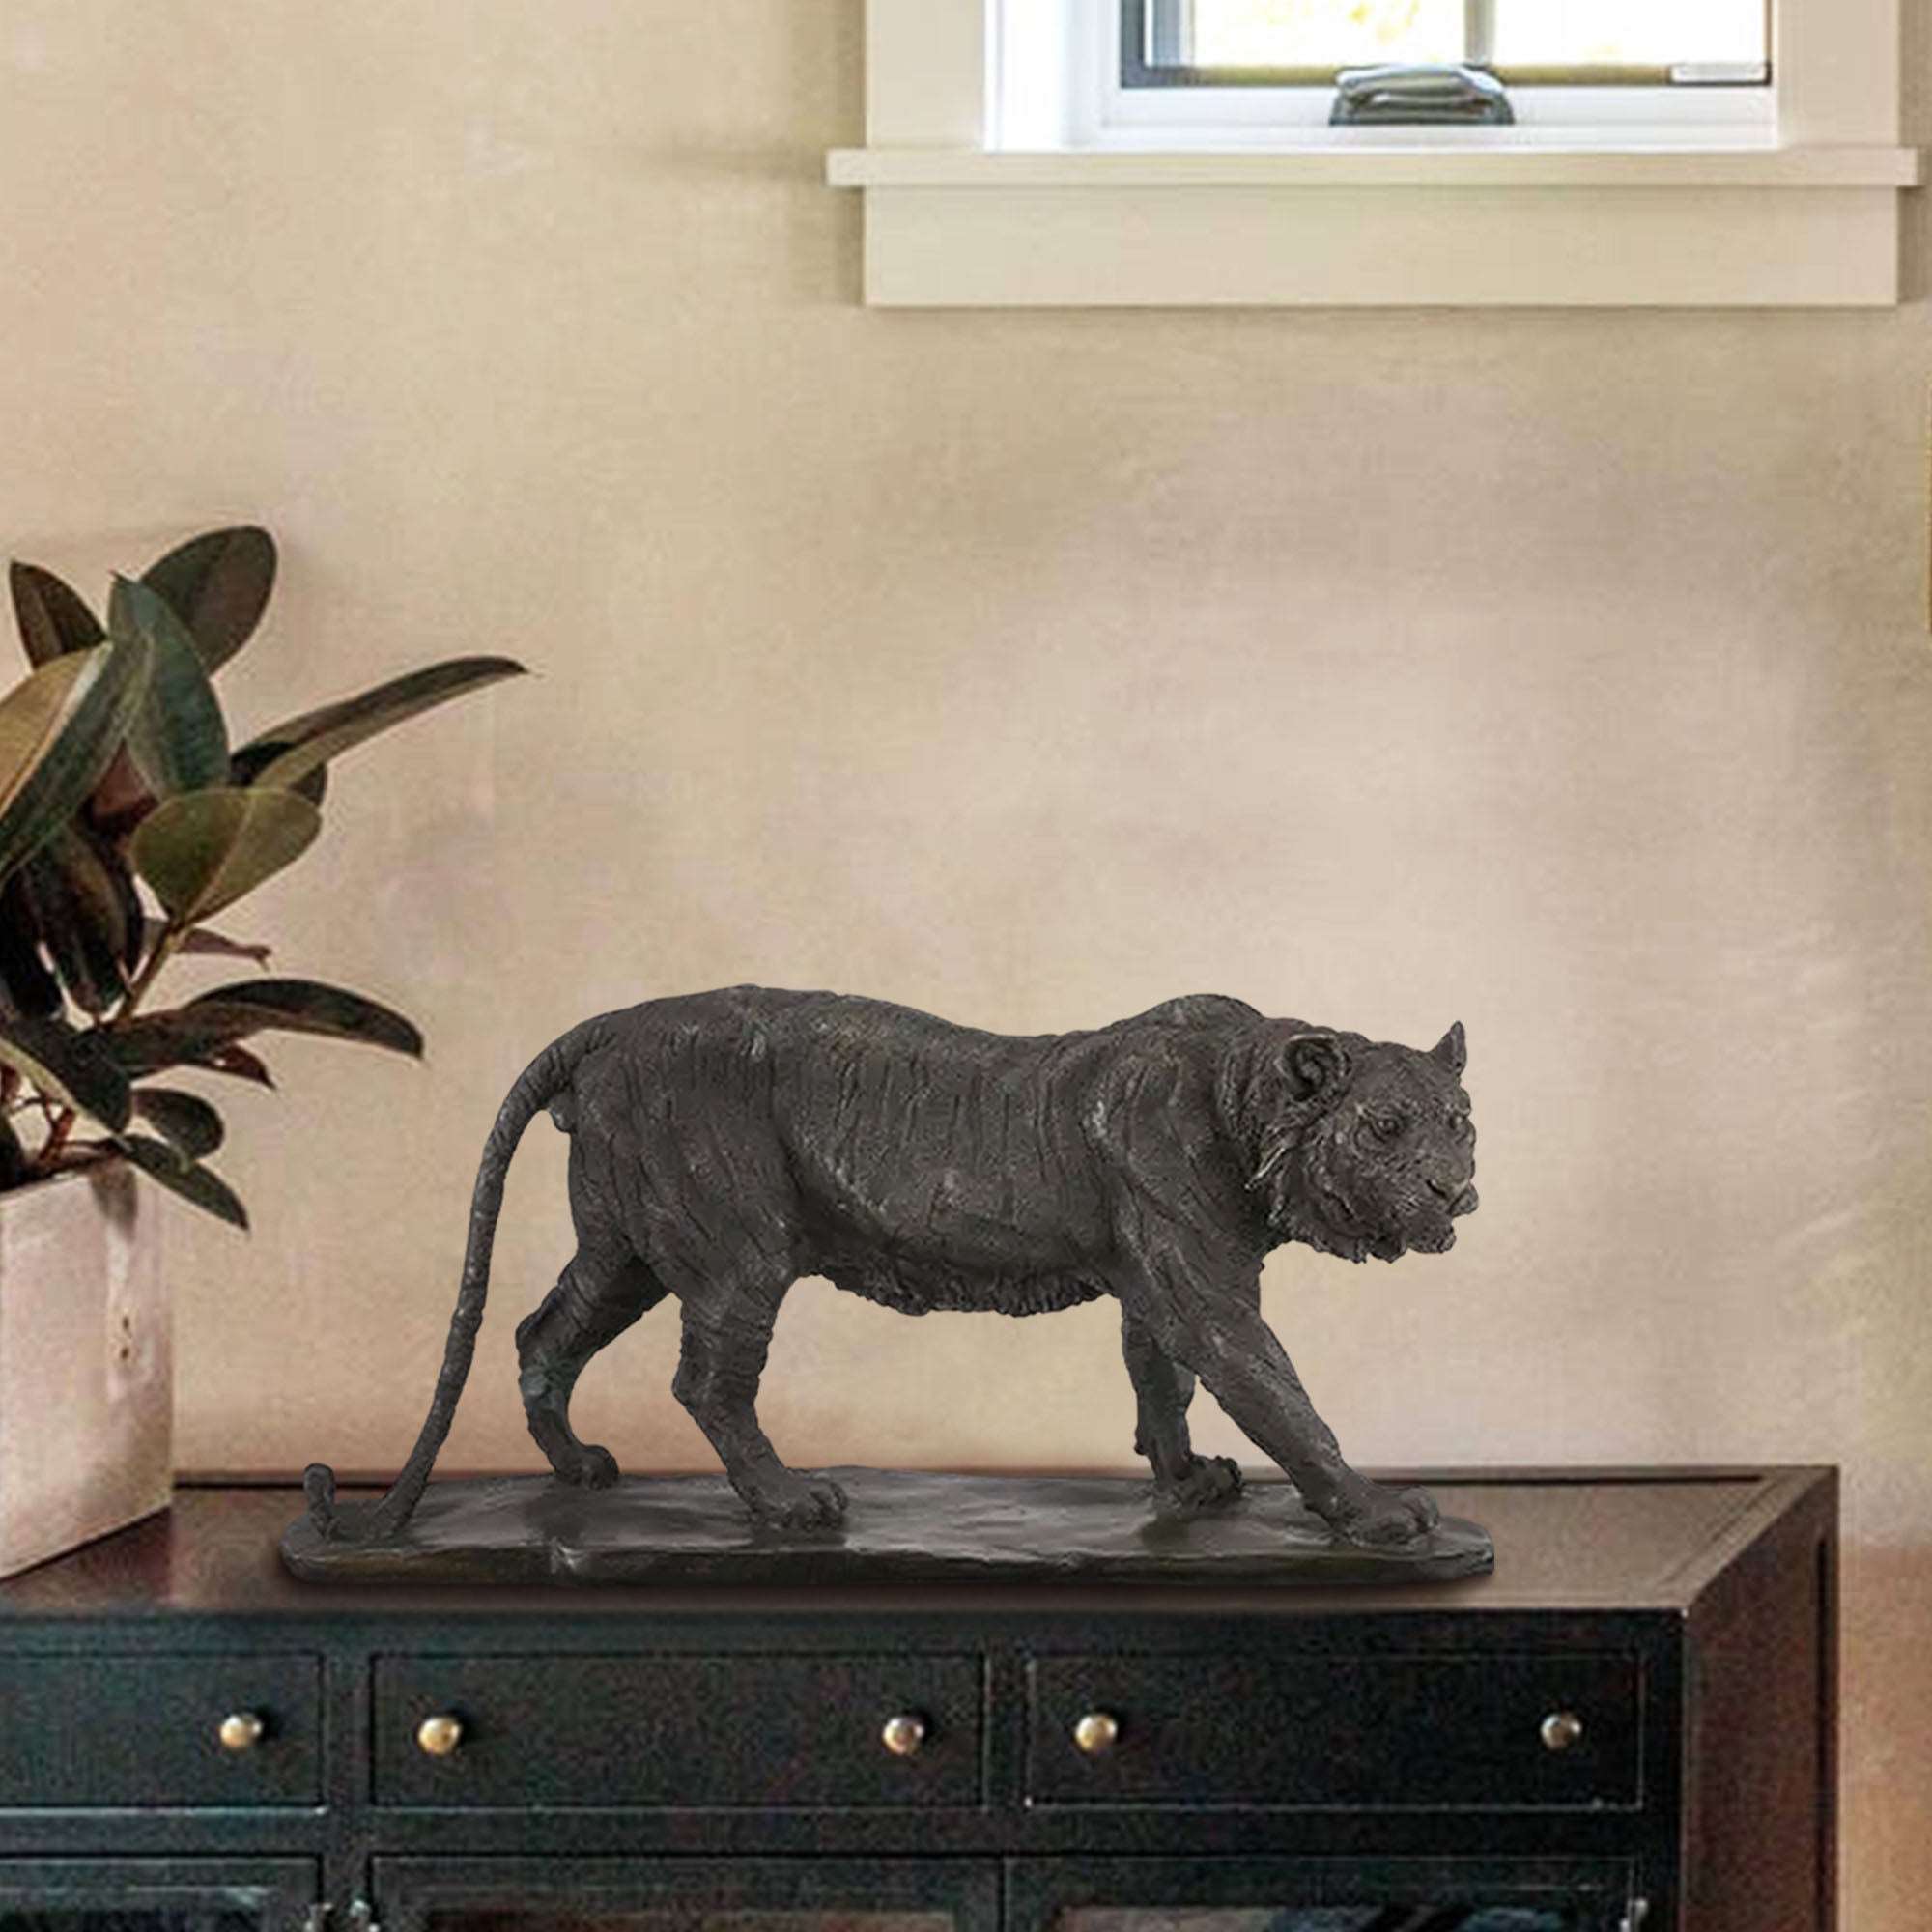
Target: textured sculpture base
column 900, row 1525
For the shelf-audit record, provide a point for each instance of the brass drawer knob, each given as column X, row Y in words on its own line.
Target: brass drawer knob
column 438, row 1736
column 1096, row 1733
column 1560, row 1730
column 902, row 1735
column 241, row 1730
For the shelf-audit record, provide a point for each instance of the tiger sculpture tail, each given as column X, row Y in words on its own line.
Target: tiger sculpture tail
column 545, row 1078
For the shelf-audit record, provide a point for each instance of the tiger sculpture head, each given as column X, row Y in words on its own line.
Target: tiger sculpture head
column 1356, row 1147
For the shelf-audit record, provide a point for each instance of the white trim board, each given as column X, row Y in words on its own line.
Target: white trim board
column 1353, row 246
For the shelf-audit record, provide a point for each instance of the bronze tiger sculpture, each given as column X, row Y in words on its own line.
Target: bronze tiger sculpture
column 724, row 1144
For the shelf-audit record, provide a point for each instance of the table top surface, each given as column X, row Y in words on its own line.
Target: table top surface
column 1643, row 1539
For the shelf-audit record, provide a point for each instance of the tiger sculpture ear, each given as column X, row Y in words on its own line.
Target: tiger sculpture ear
column 1316, row 1066
column 1451, row 1051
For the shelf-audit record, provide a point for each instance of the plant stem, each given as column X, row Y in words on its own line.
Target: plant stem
column 56, row 1141
column 144, row 980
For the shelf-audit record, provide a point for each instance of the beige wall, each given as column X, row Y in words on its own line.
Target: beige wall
column 1564, row 673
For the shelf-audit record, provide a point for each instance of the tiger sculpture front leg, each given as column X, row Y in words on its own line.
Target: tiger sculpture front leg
column 1203, row 1308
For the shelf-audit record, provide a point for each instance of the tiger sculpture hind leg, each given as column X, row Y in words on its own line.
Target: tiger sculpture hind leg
column 605, row 1289
column 596, row 1299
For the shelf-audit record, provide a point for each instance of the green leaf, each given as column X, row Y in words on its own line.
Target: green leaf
column 317, row 736
column 219, row 585
column 238, row 1063
column 202, row 850
column 204, row 1188
column 123, row 798
column 58, row 731
column 184, row 1121
column 26, row 986
column 247, row 764
column 52, row 618
column 306, row 1006
column 180, row 740
column 132, row 922
column 156, row 1041
column 210, row 944
column 74, row 1068
column 204, row 1032
column 81, row 916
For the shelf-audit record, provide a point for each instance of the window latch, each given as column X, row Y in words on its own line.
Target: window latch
column 1395, row 95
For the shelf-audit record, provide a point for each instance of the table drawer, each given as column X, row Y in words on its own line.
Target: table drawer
column 1193, row 1732
column 661, row 1730
column 133, row 1729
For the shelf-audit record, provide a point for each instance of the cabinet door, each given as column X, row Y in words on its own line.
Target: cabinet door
column 1316, row 1895
column 680, row 1894
column 216, row 1894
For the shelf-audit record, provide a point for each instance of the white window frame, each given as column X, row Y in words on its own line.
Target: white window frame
column 985, row 187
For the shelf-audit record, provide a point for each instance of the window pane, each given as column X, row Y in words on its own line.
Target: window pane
column 1323, row 32
column 1629, row 33
column 1565, row 34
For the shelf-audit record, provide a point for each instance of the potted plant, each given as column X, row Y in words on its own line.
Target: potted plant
column 129, row 821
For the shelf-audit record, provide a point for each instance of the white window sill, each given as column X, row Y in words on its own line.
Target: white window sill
column 1385, row 163
column 1500, row 222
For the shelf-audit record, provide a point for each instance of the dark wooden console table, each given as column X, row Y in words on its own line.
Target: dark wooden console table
column 1630, row 1722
